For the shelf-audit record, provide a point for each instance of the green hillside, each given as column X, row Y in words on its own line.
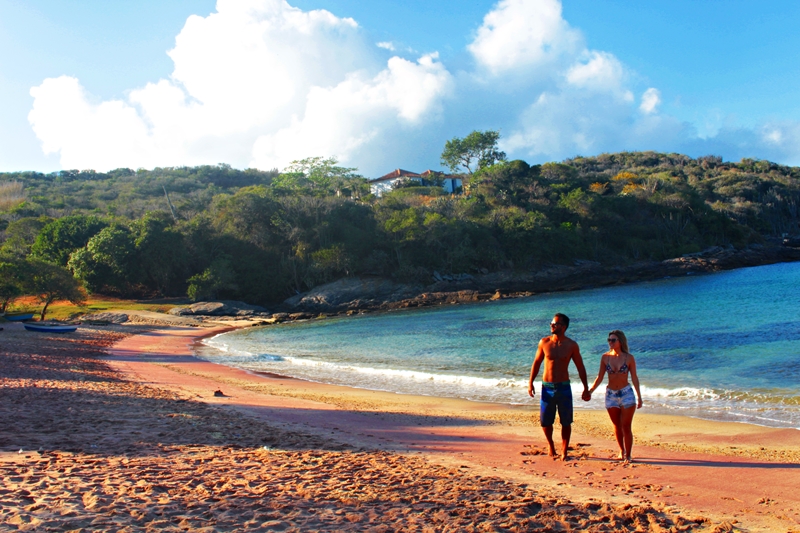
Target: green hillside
column 263, row 236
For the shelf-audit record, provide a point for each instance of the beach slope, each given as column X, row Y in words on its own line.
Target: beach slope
column 108, row 431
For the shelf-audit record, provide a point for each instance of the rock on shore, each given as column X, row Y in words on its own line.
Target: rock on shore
column 219, row 308
column 377, row 293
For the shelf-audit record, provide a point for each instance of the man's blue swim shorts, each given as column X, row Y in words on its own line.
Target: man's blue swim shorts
column 556, row 396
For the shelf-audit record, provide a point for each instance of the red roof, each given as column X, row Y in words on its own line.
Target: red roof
column 400, row 173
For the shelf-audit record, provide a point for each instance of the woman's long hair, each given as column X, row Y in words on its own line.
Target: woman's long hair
column 623, row 340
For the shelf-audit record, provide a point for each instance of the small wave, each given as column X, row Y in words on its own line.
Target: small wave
column 408, row 375
column 223, row 348
column 760, row 397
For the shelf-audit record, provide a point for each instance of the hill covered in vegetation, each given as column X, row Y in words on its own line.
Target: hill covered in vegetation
column 215, row 231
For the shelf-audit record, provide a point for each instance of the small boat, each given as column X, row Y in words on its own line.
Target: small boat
column 50, row 328
column 18, row 317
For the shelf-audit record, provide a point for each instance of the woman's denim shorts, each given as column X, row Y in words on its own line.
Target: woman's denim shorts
column 622, row 398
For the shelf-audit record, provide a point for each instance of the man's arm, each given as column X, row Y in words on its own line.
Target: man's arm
column 537, row 363
column 578, row 360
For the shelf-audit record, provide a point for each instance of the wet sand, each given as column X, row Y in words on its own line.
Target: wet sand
column 104, row 430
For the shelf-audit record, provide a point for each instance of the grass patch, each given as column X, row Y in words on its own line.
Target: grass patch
column 99, row 304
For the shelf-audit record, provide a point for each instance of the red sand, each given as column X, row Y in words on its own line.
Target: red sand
column 759, row 489
column 137, row 441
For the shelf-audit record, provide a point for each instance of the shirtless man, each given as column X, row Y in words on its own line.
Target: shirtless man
column 556, row 351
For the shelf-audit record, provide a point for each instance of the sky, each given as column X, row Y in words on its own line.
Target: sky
column 379, row 85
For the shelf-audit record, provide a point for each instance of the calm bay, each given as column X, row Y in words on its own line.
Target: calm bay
column 723, row 346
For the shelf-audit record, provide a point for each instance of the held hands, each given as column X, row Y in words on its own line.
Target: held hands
column 586, row 396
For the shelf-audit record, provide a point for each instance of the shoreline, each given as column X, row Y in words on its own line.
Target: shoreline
column 671, row 450
column 349, row 296
column 334, row 458
column 658, row 419
column 654, row 404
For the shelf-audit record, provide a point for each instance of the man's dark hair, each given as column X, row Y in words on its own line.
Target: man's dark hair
column 563, row 318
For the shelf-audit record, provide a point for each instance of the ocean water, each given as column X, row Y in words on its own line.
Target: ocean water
column 722, row 346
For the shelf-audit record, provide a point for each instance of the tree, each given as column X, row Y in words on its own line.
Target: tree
column 218, row 277
column 11, row 283
column 58, row 239
column 49, row 282
column 20, row 236
column 161, row 252
column 475, row 151
column 321, row 175
column 107, row 261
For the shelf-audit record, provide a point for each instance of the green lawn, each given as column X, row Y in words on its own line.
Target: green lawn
column 66, row 310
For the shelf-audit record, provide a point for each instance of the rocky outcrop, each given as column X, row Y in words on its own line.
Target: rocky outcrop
column 352, row 293
column 220, row 308
column 108, row 318
column 375, row 293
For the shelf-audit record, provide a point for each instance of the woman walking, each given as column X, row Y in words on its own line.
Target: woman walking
column 621, row 403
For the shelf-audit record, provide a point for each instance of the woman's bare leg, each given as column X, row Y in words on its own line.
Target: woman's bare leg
column 626, row 421
column 615, row 413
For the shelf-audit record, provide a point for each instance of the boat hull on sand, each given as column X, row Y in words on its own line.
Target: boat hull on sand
column 18, row 317
column 51, row 328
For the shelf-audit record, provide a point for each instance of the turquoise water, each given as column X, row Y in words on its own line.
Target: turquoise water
column 724, row 346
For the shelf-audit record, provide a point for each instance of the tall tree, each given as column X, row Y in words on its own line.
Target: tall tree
column 475, row 151
column 11, row 283
column 58, row 239
column 323, row 175
column 49, row 282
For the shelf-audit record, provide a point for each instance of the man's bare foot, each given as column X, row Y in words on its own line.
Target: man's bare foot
column 620, row 456
column 565, row 457
column 628, row 460
column 552, row 452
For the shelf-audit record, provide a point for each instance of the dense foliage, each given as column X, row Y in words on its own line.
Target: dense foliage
column 215, row 231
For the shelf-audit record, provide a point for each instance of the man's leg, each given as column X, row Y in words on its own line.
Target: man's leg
column 547, row 417
column 566, row 433
column 548, row 433
column 564, row 400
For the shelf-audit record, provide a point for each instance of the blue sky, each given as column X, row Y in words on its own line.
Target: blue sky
column 383, row 84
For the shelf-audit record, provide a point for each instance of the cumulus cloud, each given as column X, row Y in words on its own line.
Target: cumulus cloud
column 578, row 100
column 345, row 118
column 601, row 72
column 527, row 35
column 243, row 74
column 650, row 100
column 261, row 83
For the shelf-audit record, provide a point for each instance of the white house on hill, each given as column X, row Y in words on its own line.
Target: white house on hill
column 386, row 183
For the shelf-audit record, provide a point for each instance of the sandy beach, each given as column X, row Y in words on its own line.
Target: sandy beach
column 121, row 428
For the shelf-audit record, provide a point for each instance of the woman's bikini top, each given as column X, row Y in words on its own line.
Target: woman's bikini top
column 622, row 370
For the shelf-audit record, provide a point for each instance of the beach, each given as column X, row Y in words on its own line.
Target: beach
column 122, row 428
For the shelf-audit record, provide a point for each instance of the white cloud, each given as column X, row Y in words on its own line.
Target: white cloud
column 244, row 73
column 650, row 101
column 342, row 119
column 578, row 100
column 602, row 72
column 84, row 133
column 262, row 83
column 524, row 34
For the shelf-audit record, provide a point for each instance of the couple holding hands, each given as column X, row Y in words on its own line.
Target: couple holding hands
column 556, row 351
